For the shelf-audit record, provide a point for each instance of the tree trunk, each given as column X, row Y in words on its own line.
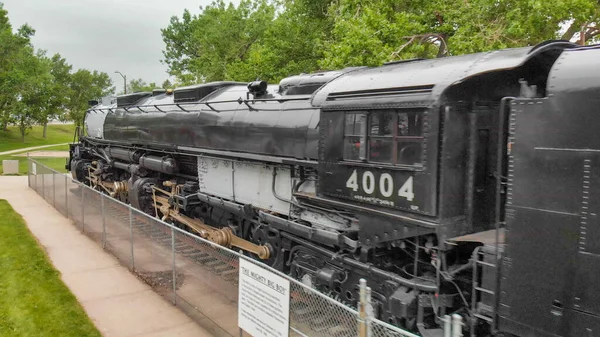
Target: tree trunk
column 4, row 121
column 573, row 29
column 45, row 128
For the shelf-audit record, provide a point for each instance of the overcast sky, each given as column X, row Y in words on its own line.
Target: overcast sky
column 104, row 35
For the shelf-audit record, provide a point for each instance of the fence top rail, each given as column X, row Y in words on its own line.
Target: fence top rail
column 230, row 251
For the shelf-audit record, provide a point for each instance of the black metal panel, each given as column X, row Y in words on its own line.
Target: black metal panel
column 334, row 184
column 336, row 175
column 539, row 264
column 585, row 325
column 375, row 230
column 129, row 99
column 158, row 91
column 199, row 91
column 438, row 73
column 549, row 269
column 586, row 296
column 453, row 162
column 573, row 73
column 306, row 84
column 549, row 181
column 280, row 128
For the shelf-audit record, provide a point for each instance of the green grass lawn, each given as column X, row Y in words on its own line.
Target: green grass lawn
column 55, row 163
column 33, row 299
column 56, row 134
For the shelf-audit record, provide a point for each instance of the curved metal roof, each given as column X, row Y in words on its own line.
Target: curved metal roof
column 576, row 71
column 427, row 79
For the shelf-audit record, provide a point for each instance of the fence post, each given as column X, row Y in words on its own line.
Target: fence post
column 362, row 314
column 131, row 238
column 67, row 197
column 53, row 190
column 447, row 326
column 28, row 171
column 174, row 268
column 82, row 203
column 43, row 187
column 369, row 312
column 456, row 325
column 103, row 222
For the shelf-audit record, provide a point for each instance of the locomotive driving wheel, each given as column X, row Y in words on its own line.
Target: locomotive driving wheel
column 261, row 235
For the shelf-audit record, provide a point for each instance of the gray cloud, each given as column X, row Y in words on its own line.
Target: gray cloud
column 105, row 35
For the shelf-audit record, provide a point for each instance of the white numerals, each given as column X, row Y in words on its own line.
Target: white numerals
column 368, row 182
column 407, row 190
column 352, row 182
column 386, row 185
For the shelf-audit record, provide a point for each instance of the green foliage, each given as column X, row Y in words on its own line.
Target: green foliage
column 375, row 31
column 139, row 85
column 33, row 299
column 35, row 88
column 201, row 47
column 167, row 84
column 58, row 91
column 15, row 66
column 272, row 40
column 85, row 86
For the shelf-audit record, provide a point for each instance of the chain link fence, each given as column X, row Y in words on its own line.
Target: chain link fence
column 196, row 275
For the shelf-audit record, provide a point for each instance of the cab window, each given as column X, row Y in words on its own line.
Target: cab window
column 392, row 137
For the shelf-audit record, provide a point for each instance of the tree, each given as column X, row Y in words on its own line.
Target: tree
column 13, row 47
column 292, row 43
column 375, row 31
column 55, row 95
column 83, row 87
column 139, row 85
column 167, row 84
column 33, row 90
column 201, row 47
column 272, row 39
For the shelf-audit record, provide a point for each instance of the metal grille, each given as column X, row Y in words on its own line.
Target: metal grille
column 201, row 278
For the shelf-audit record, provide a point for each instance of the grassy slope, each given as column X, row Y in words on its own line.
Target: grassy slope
column 33, row 299
column 55, row 163
column 56, row 134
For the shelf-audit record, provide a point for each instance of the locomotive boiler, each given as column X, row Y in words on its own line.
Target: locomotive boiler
column 463, row 184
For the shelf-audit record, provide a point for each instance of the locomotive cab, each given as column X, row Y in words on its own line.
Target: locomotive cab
column 417, row 142
column 418, row 150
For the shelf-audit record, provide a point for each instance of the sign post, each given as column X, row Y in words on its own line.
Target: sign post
column 263, row 302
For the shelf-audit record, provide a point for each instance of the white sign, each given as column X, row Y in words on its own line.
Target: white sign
column 33, row 169
column 263, row 302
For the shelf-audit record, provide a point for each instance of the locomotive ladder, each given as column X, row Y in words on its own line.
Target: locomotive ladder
column 479, row 309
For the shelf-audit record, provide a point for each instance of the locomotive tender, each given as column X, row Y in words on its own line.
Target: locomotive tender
column 462, row 185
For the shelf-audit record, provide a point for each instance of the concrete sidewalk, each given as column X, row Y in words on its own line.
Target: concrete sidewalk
column 118, row 303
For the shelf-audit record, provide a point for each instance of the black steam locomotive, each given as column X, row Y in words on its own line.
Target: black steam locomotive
column 454, row 185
